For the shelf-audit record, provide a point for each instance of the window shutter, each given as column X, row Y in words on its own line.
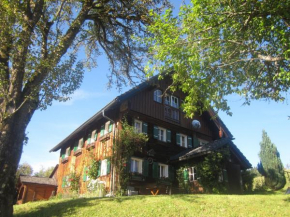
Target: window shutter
column 63, row 182
column 145, row 168
column 168, row 135
column 85, row 174
column 128, row 165
column 108, row 166
column 171, row 173
column 82, row 142
column 225, row 175
column 195, row 142
column 102, row 130
column 156, row 129
column 189, row 142
column 62, row 156
column 110, row 127
column 89, row 139
column 144, row 127
column 99, row 169
column 178, row 139
column 155, row 170
column 185, row 174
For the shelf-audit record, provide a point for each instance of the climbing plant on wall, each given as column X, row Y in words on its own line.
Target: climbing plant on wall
column 126, row 142
column 212, row 175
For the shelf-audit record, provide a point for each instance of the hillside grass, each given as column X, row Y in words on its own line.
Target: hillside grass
column 161, row 205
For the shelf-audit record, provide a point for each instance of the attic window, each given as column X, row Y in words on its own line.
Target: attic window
column 106, row 128
column 158, row 96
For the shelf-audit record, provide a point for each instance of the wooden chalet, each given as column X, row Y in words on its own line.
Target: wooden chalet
column 173, row 142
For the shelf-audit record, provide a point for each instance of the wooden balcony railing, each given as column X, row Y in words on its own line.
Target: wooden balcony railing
column 171, row 113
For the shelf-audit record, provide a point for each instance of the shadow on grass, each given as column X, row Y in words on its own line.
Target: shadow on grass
column 287, row 199
column 60, row 207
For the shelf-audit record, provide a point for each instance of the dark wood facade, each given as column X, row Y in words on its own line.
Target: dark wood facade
column 140, row 106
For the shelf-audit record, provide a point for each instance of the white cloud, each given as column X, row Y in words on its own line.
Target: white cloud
column 81, row 95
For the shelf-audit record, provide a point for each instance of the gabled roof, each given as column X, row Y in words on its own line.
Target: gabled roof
column 38, row 180
column 211, row 147
column 119, row 99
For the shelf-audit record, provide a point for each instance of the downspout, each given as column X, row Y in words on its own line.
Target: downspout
column 114, row 130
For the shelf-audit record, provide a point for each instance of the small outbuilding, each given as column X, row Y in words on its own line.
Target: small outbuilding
column 31, row 188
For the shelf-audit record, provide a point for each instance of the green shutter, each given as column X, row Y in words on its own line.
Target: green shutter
column 102, row 130
column 185, row 174
column 195, row 142
column 63, row 182
column 155, row 170
column 168, row 135
column 128, row 165
column 225, row 175
column 189, row 142
column 62, row 156
column 171, row 172
column 145, row 168
column 99, row 169
column 110, row 127
column 108, row 166
column 85, row 174
column 144, row 127
column 178, row 139
column 155, row 133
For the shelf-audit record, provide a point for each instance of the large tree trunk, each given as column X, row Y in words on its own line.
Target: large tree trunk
column 12, row 135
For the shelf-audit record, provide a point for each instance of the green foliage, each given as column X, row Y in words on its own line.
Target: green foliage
column 74, row 180
column 270, row 165
column 24, row 169
column 182, row 178
column 215, row 48
column 127, row 142
column 93, row 168
column 44, row 172
column 259, row 184
column 251, row 180
column 210, row 170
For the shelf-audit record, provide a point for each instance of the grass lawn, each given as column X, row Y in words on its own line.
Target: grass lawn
column 161, row 205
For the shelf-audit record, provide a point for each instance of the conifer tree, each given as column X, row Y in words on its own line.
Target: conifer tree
column 270, row 165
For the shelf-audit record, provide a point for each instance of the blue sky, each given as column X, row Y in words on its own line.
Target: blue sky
column 49, row 127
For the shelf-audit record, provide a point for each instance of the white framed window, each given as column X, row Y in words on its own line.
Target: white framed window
column 138, row 126
column 81, row 143
column 192, row 175
column 136, row 165
column 67, row 152
column 104, row 167
column 106, row 128
column 183, row 140
column 202, row 142
column 94, row 136
column 167, row 100
column 161, row 134
column 174, row 102
column 163, row 170
column 158, row 96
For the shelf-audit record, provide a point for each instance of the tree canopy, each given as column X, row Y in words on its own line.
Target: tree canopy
column 24, row 169
column 39, row 62
column 218, row 47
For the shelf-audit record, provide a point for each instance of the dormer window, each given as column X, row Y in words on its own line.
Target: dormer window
column 172, row 101
column 158, row 96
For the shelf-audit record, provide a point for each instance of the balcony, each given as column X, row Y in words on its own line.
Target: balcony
column 171, row 113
